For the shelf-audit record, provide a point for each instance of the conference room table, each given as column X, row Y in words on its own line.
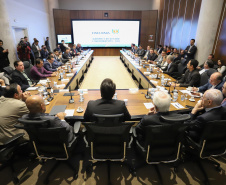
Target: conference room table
column 135, row 99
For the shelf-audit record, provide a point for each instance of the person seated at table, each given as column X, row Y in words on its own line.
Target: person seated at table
column 221, row 68
column 56, row 63
column 140, row 51
column 106, row 105
column 159, row 60
column 223, row 103
column 191, row 76
column 208, row 68
column 38, row 71
column 161, row 102
column 215, row 82
column 74, row 52
column 171, row 67
column 44, row 52
column 58, row 57
column 48, row 65
column 163, row 64
column 147, row 52
column 20, row 77
column 151, row 56
column 67, row 55
column 37, row 108
column 209, row 109
column 79, row 48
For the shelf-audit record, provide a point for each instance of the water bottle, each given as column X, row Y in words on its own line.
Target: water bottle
column 182, row 97
column 115, row 96
column 162, row 81
column 175, row 96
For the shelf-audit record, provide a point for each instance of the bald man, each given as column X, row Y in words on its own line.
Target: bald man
column 37, row 108
column 215, row 82
column 161, row 101
column 208, row 109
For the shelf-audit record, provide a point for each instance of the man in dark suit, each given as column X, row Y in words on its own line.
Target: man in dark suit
column 47, row 44
column 212, row 110
column 48, row 65
column 190, row 50
column 37, row 108
column 215, row 82
column 161, row 101
column 140, row 51
column 67, row 55
column 171, row 67
column 36, row 49
column 106, row 105
column 20, row 77
column 191, row 76
column 151, row 56
column 63, row 46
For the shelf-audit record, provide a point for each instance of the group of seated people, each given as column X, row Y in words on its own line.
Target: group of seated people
column 16, row 104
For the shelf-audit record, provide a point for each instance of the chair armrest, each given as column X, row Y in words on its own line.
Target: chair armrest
column 12, row 139
column 137, row 117
column 134, row 132
column 77, row 125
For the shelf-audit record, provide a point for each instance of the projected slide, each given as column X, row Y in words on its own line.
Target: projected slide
column 105, row 33
column 66, row 38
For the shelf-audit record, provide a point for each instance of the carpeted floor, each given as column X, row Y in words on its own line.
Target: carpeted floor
column 107, row 67
column 32, row 173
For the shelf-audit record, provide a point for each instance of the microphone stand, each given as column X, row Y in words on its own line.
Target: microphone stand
column 49, row 85
column 71, row 100
column 147, row 95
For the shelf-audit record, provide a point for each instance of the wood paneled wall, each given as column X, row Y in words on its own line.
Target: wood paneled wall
column 219, row 48
column 62, row 20
column 178, row 20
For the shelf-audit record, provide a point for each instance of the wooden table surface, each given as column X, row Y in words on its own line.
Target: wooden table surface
column 136, row 98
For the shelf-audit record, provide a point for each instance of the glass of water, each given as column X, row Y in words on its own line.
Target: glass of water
column 182, row 97
column 175, row 96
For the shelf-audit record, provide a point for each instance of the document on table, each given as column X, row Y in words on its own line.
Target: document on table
column 148, row 105
column 177, row 105
column 32, row 89
column 69, row 112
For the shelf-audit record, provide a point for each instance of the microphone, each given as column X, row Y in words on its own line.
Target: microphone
column 147, row 95
column 71, row 100
column 49, row 85
column 166, row 85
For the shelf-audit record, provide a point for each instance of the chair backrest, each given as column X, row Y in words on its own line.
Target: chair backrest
column 182, row 68
column 183, row 61
column 48, row 142
column 213, row 139
column 108, row 143
column 176, row 118
column 108, row 120
column 27, row 68
column 8, row 70
column 204, row 78
column 163, row 142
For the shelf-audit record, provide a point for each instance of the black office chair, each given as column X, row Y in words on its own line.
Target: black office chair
column 8, row 73
column 162, row 144
column 182, row 66
column 212, row 143
column 107, row 120
column 108, row 143
column 27, row 68
column 8, row 150
column 49, row 143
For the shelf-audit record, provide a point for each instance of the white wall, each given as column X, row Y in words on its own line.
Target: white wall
column 30, row 14
column 109, row 4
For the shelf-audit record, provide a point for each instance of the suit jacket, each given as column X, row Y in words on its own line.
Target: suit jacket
column 10, row 110
column 49, row 67
column 173, row 68
column 35, row 50
column 152, row 57
column 190, row 79
column 19, row 78
column 191, row 54
column 154, row 119
column 54, row 122
column 62, row 47
column 140, row 52
column 197, row 122
column 44, row 54
column 209, row 85
column 106, row 107
column 66, row 56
